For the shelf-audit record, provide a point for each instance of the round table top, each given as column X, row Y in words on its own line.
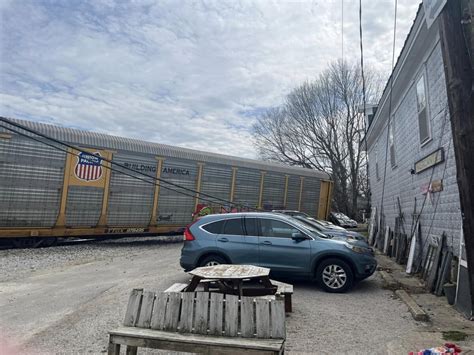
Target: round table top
column 227, row 271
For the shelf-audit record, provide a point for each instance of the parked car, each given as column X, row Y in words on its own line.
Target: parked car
column 291, row 213
column 342, row 220
column 283, row 244
column 324, row 224
column 329, row 229
column 329, row 225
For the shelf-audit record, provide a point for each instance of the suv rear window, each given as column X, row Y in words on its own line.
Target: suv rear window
column 214, row 228
column 233, row 227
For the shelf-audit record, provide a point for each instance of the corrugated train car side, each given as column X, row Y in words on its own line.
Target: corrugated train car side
column 47, row 193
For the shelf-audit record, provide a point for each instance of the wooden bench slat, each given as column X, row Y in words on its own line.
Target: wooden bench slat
column 284, row 291
column 278, row 328
column 195, row 339
column 250, row 324
column 216, row 313
column 177, row 287
column 144, row 319
column 262, row 318
column 133, row 307
column 187, row 310
column 231, row 322
column 158, row 316
column 282, row 287
column 247, row 319
column 201, row 318
column 172, row 311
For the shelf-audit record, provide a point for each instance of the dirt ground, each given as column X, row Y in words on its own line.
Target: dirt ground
column 65, row 299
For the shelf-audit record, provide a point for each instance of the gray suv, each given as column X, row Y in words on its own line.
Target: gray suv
column 279, row 242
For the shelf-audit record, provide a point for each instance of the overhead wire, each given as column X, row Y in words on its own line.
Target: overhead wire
column 364, row 99
column 435, row 210
column 342, row 30
column 104, row 166
column 418, row 216
column 362, row 59
column 112, row 162
column 389, row 127
column 196, row 193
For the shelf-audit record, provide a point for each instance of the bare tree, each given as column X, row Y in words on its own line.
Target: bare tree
column 320, row 126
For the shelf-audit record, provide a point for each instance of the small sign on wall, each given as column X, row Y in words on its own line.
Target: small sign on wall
column 435, row 186
column 429, row 161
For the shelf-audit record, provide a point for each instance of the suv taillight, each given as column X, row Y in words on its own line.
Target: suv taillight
column 187, row 232
column 188, row 235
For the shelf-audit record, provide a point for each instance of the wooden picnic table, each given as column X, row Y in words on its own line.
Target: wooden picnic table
column 230, row 279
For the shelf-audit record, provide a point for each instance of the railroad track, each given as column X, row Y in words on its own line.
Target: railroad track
column 41, row 243
column 23, row 243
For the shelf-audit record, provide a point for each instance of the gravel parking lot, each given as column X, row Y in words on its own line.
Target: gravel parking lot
column 65, row 299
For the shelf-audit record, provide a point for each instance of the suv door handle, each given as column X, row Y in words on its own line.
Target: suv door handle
column 224, row 240
column 266, row 242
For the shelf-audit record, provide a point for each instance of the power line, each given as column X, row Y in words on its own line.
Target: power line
column 112, row 162
column 362, row 56
column 389, row 128
column 342, row 30
column 107, row 167
column 199, row 194
column 429, row 184
column 364, row 100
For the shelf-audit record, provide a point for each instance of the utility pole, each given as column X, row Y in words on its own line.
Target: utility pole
column 456, row 35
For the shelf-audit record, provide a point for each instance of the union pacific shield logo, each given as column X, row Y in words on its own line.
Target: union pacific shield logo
column 88, row 166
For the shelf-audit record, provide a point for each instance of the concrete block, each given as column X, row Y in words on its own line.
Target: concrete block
column 415, row 310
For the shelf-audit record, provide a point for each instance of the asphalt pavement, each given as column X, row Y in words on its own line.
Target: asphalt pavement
column 50, row 303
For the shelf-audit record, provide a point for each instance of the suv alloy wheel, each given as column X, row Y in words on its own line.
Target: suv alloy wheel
column 335, row 276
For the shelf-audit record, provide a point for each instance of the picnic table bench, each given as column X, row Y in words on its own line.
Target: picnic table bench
column 231, row 278
column 284, row 291
column 200, row 322
column 241, row 280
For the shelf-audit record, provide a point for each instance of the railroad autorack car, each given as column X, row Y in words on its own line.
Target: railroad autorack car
column 117, row 186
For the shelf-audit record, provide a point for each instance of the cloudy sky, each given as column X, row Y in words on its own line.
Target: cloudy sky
column 189, row 73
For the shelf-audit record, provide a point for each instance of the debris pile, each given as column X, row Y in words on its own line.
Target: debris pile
column 448, row 348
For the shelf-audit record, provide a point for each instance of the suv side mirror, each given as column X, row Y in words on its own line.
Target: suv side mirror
column 298, row 236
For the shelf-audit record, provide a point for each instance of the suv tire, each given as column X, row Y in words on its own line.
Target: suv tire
column 334, row 276
column 211, row 260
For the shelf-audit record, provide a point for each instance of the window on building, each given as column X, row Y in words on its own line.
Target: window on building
column 391, row 141
column 422, row 105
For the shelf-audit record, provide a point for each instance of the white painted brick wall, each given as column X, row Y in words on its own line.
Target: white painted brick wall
column 399, row 182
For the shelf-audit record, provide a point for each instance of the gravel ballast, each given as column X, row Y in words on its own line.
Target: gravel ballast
column 64, row 300
column 17, row 262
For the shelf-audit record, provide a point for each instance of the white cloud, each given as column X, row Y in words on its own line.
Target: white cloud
column 188, row 73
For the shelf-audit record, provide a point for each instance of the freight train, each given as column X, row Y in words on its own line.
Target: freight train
column 46, row 193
